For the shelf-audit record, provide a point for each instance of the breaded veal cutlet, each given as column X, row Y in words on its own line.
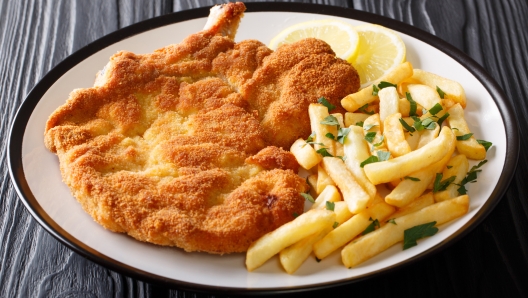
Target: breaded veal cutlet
column 184, row 146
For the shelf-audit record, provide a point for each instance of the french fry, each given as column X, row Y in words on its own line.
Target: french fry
column 399, row 167
column 427, row 135
column 312, row 182
column 291, row 258
column 424, row 95
column 354, row 118
column 395, row 136
column 351, row 228
column 342, row 212
column 356, row 151
column 457, row 166
column 420, row 203
column 317, row 113
column 323, row 179
column 454, row 92
column 339, row 118
column 378, row 241
column 305, row 154
column 329, row 194
column 389, row 102
column 412, row 186
column 364, row 96
column 355, row 196
column 373, row 123
column 306, row 224
column 470, row 147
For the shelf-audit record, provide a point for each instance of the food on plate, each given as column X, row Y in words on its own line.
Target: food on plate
column 397, row 160
column 186, row 146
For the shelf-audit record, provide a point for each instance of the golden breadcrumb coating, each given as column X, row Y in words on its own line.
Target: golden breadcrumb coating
column 177, row 147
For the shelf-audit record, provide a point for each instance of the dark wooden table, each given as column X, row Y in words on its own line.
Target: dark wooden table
column 490, row 261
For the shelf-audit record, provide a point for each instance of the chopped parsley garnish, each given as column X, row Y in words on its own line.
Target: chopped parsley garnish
column 363, row 109
column 486, row 144
column 410, row 236
column 435, row 109
column 407, row 126
column 310, row 137
column 342, row 134
column 330, row 135
column 412, row 111
column 324, row 152
column 294, row 214
column 335, row 224
column 441, row 119
column 308, row 197
column 370, row 159
column 471, row 177
column 369, row 136
column 411, row 178
column 441, row 185
column 373, row 225
column 330, row 205
column 392, row 221
column 440, row 92
column 330, row 120
column 368, row 126
column 383, row 155
column 359, row 123
column 381, row 85
column 379, row 143
column 464, row 137
column 326, row 103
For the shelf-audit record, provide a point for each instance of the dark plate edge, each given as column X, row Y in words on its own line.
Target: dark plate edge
column 26, row 108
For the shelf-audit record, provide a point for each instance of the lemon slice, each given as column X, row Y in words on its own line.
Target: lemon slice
column 339, row 35
column 379, row 51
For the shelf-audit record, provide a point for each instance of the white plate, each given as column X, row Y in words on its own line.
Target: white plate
column 36, row 175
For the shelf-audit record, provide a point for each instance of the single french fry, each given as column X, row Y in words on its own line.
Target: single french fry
column 389, row 102
column 423, row 201
column 329, row 194
column 354, row 118
column 412, row 186
column 305, row 154
column 457, row 166
column 424, row 95
column 470, row 147
column 342, row 212
column 312, row 182
column 395, row 136
column 412, row 138
column 356, row 151
column 399, row 167
column 355, row 196
column 378, row 241
column 317, row 113
column 427, row 135
column 351, row 228
column 364, row 96
column 323, row 179
column 291, row 258
column 454, row 92
column 306, row 224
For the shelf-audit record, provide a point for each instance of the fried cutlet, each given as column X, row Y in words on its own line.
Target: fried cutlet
column 177, row 147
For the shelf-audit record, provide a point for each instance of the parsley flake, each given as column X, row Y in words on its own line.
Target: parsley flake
column 435, row 109
column 410, row 236
column 440, row 92
column 368, row 126
column 407, row 126
column 471, row 177
column 412, row 111
column 324, row 152
column 464, row 137
column 392, row 221
column 359, row 123
column 335, row 224
column 411, row 178
column 383, row 155
column 330, row 205
column 486, row 144
column 373, row 225
column 370, row 159
column 310, row 137
column 441, row 185
column 441, row 119
column 363, row 109
column 375, row 90
column 330, row 120
column 308, row 197
column 369, row 136
column 330, row 135
column 342, row 134
column 326, row 103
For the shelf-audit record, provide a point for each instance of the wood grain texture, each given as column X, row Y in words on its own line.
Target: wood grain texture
column 490, row 261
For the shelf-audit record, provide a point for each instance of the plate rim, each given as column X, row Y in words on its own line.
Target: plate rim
column 16, row 171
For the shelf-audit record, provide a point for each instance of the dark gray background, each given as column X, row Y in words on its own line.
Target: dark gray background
column 490, row 261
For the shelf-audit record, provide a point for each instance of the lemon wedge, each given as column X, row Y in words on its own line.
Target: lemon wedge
column 379, row 51
column 341, row 37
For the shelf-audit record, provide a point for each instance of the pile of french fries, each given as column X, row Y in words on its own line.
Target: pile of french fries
column 405, row 134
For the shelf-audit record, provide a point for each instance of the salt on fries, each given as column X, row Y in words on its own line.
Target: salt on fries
column 406, row 133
